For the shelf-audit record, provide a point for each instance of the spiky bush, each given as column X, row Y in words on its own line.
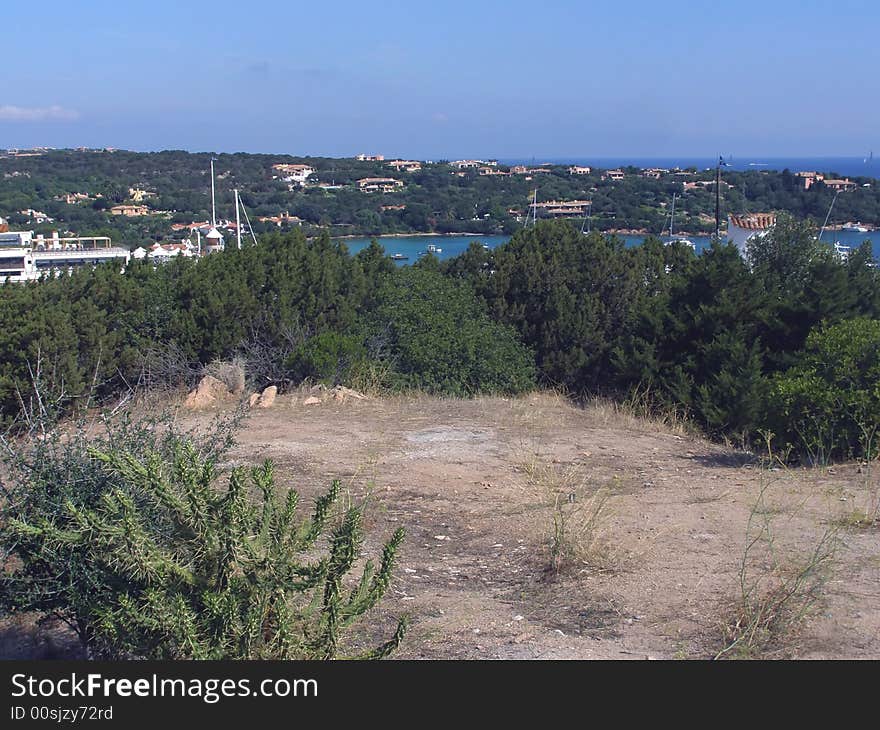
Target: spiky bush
column 163, row 564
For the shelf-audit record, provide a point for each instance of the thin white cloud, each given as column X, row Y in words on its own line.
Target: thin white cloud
column 11, row 113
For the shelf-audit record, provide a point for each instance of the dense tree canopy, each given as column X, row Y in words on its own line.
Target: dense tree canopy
column 705, row 334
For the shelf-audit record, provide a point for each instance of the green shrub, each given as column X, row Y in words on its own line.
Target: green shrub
column 144, row 557
column 828, row 404
column 435, row 335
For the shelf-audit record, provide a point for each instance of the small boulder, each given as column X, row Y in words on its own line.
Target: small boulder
column 267, row 397
column 312, row 401
column 253, row 400
column 209, row 390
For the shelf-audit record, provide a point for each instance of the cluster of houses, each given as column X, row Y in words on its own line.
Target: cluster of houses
column 36, row 217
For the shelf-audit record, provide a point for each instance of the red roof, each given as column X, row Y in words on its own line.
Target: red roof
column 754, row 221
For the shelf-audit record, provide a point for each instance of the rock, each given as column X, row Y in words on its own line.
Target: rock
column 209, row 390
column 312, row 401
column 252, row 401
column 267, row 397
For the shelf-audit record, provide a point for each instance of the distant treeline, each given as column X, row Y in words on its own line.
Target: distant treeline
column 437, row 198
column 786, row 343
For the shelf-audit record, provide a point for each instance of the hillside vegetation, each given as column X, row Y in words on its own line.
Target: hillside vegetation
column 437, row 198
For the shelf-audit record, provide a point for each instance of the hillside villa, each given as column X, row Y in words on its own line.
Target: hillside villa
column 282, row 219
column 130, row 211
column 298, row 174
column 405, row 165
column 561, row 208
column 379, row 184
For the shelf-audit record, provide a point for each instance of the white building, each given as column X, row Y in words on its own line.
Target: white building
column 742, row 228
column 298, row 174
column 25, row 257
column 214, row 241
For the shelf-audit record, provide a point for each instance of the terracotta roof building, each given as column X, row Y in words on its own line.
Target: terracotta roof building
column 742, row 228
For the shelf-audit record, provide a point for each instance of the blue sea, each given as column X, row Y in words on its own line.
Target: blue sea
column 847, row 166
column 453, row 245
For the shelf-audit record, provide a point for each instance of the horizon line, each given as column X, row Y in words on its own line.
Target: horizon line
column 532, row 156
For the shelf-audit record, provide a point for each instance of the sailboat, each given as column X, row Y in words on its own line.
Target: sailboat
column 214, row 239
column 672, row 237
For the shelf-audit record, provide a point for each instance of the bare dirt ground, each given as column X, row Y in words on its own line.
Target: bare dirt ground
column 474, row 483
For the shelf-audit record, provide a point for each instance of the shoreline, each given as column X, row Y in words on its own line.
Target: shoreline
column 417, row 235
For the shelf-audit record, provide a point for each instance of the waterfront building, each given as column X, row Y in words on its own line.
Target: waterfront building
column 561, row 208
column 25, row 256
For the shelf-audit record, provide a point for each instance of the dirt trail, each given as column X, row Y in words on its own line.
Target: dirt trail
column 468, row 480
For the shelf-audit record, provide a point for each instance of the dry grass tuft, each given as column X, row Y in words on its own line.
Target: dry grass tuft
column 778, row 591
column 576, row 530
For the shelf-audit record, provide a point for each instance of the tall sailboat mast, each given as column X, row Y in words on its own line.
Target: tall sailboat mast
column 213, row 201
column 237, row 219
column 718, row 199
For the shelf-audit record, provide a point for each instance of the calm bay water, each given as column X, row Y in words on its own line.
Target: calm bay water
column 453, row 245
column 412, row 246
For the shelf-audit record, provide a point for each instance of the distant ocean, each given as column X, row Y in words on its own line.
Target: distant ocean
column 846, row 166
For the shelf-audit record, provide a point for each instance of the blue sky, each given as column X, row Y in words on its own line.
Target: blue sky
column 444, row 78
